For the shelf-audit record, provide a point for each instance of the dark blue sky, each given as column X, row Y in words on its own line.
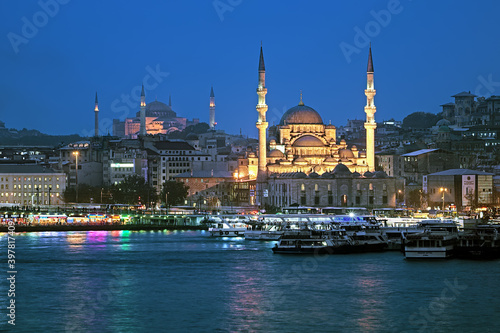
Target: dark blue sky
column 425, row 52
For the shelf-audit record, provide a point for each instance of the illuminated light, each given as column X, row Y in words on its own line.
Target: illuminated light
column 96, row 108
column 351, row 214
column 122, row 165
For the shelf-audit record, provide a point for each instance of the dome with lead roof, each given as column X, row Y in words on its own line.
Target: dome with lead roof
column 301, row 114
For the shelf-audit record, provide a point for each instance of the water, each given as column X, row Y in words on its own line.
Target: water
column 185, row 281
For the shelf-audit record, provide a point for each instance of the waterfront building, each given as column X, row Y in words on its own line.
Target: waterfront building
column 31, row 185
column 338, row 188
column 215, row 188
column 463, row 188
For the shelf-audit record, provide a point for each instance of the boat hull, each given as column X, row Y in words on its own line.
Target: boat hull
column 429, row 253
column 342, row 249
column 227, row 233
column 477, row 252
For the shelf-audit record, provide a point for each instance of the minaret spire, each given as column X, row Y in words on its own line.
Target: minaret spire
column 370, row 61
column 262, row 127
column 142, row 113
column 370, row 109
column 96, row 115
column 212, row 109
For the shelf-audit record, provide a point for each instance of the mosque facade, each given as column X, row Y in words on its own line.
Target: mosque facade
column 303, row 147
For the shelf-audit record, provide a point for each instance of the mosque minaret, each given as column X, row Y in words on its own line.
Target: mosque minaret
column 96, row 116
column 262, row 126
column 142, row 114
column 212, row 109
column 370, row 109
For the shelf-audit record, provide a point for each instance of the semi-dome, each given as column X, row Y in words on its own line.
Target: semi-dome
column 275, row 153
column 301, row 114
column 308, row 141
column 159, row 109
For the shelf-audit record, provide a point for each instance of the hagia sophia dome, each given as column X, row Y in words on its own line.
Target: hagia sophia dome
column 159, row 109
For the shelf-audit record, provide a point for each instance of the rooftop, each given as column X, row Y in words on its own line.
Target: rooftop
column 457, row 172
column 420, row 152
column 205, row 174
column 25, row 169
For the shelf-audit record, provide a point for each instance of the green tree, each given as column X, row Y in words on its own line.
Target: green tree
column 420, row 120
column 133, row 190
column 173, row 192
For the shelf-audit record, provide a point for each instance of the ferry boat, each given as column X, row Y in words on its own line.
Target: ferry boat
column 228, row 226
column 308, row 241
column 479, row 242
column 364, row 231
column 436, row 241
column 271, row 227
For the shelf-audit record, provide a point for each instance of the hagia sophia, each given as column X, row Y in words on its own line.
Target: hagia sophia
column 159, row 118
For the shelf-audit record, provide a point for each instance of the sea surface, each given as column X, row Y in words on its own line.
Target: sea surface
column 186, row 281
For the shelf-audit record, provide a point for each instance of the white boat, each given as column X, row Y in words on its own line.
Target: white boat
column 228, row 226
column 310, row 241
column 437, row 241
column 364, row 230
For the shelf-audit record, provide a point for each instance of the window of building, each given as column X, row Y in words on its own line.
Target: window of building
column 358, row 200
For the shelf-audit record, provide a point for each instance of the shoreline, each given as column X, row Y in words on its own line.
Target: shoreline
column 131, row 227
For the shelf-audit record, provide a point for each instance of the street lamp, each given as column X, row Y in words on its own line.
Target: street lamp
column 443, row 190
column 76, row 175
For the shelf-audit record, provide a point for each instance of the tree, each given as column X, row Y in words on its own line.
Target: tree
column 173, row 192
column 86, row 193
column 134, row 190
column 420, row 120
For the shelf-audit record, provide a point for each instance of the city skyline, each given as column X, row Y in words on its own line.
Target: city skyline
column 75, row 49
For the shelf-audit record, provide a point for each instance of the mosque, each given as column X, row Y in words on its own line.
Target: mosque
column 301, row 142
column 159, row 118
column 304, row 163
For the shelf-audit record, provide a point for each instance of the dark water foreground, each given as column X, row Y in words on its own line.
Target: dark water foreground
column 185, row 281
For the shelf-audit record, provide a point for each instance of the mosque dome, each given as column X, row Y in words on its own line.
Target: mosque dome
column 275, row 153
column 443, row 122
column 301, row 114
column 308, row 141
column 330, row 160
column 159, row 109
column 341, row 170
column 300, row 160
column 346, row 154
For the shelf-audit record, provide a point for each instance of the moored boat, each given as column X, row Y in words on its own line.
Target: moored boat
column 437, row 240
column 479, row 242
